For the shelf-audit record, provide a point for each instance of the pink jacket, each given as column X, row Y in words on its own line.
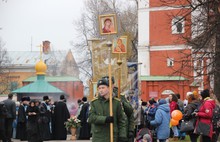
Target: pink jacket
column 173, row 106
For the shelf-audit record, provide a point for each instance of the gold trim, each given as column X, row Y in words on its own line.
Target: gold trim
column 111, row 16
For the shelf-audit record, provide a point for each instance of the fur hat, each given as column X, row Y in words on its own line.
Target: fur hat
column 84, row 99
column 107, row 78
column 45, row 98
column 62, row 97
column 25, row 98
column 102, row 82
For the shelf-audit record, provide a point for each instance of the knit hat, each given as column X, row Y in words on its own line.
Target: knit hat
column 205, row 93
column 195, row 94
column 162, row 101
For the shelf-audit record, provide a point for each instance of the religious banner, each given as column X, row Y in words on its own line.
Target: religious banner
column 46, row 47
column 100, row 61
column 120, row 45
column 107, row 24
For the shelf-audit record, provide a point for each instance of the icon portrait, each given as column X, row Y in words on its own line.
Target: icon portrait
column 120, row 45
column 107, row 24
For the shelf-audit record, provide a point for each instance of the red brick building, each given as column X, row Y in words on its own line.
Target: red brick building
column 161, row 49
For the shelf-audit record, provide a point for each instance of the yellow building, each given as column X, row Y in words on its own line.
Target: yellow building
column 21, row 65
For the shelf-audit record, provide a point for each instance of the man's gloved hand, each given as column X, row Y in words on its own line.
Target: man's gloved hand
column 109, row 119
column 130, row 134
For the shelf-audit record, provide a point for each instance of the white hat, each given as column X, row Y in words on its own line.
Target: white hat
column 147, row 137
column 189, row 93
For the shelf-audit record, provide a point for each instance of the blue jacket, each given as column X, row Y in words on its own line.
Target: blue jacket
column 151, row 111
column 162, row 121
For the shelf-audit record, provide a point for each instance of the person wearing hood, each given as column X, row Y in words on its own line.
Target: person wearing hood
column 205, row 114
column 162, row 121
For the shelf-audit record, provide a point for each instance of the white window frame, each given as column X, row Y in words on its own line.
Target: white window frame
column 175, row 21
column 170, row 62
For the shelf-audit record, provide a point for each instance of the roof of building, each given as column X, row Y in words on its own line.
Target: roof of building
column 163, row 78
column 39, row 86
column 30, row 58
column 53, row 78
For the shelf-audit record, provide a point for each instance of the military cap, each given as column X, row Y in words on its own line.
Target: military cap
column 107, row 78
column 102, row 82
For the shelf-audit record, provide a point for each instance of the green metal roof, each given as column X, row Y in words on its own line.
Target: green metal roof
column 39, row 86
column 162, row 78
column 53, row 78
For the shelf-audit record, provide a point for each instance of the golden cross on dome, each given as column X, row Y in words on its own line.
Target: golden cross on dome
column 41, row 47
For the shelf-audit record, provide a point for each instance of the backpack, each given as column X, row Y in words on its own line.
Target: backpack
column 216, row 118
column 3, row 110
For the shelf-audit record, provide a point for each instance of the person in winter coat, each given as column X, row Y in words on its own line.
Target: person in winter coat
column 174, row 106
column 162, row 121
column 11, row 115
column 61, row 114
column 32, row 127
column 85, row 128
column 100, row 119
column 193, row 105
column 205, row 114
column 150, row 112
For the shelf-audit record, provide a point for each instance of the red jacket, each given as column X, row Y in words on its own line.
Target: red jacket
column 173, row 106
column 205, row 113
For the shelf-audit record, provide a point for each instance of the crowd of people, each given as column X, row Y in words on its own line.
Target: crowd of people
column 35, row 121
column 198, row 108
column 142, row 121
column 151, row 121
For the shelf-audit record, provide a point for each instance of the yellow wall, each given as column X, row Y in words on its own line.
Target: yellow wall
column 20, row 76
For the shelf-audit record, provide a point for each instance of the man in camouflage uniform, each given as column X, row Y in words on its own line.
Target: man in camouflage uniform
column 99, row 116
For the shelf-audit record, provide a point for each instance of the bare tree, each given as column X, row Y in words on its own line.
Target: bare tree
column 4, row 72
column 88, row 27
column 203, row 37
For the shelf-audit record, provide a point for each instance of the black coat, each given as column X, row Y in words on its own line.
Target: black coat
column 32, row 125
column 60, row 116
column 21, row 125
column 11, row 108
column 85, row 126
column 190, row 108
column 44, row 122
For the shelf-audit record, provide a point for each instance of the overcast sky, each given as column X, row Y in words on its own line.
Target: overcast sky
column 39, row 20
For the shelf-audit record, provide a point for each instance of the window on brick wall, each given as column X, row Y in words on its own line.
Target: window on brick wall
column 178, row 25
column 170, row 62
